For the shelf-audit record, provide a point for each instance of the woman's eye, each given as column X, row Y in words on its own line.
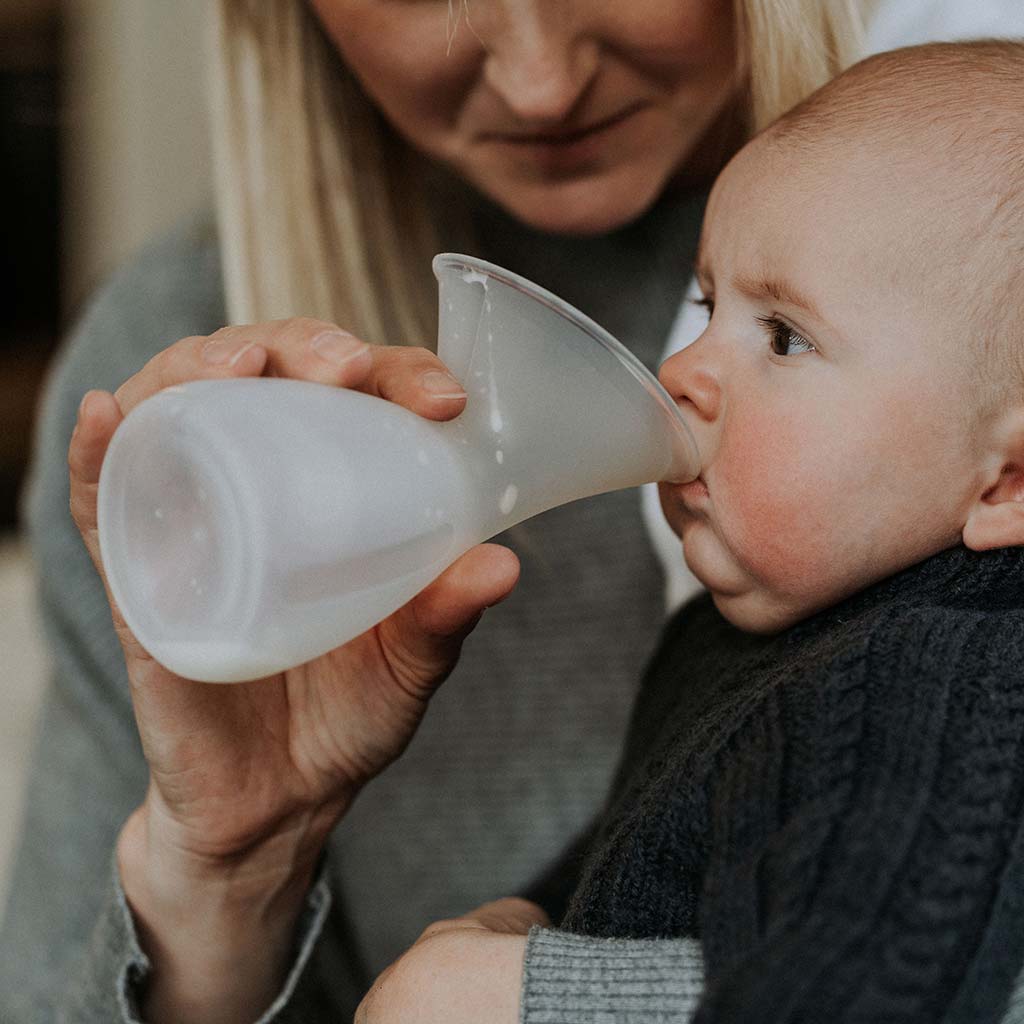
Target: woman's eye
column 784, row 341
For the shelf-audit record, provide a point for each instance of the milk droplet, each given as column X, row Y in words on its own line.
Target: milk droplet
column 158, row 513
column 199, row 534
column 509, row 499
column 474, row 277
column 499, row 456
column 496, row 421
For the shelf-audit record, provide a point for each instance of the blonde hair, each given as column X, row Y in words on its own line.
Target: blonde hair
column 325, row 211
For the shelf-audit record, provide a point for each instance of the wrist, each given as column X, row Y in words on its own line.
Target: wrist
column 167, row 885
column 218, row 931
column 157, row 846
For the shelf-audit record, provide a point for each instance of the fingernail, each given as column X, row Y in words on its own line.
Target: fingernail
column 224, row 352
column 337, row 347
column 84, row 402
column 441, row 385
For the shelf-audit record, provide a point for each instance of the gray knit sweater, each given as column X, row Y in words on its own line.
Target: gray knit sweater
column 514, row 756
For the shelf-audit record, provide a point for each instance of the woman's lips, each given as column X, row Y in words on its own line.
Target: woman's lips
column 566, row 136
column 566, row 149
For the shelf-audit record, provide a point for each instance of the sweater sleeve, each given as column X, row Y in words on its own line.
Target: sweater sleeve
column 882, row 877
column 628, row 981
column 67, row 946
column 588, row 980
column 110, row 978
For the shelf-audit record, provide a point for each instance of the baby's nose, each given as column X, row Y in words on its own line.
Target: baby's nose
column 692, row 382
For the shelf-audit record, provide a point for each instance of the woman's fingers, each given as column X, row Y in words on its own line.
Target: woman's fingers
column 218, row 356
column 416, row 379
column 304, row 349
column 511, row 915
column 422, row 640
column 98, row 418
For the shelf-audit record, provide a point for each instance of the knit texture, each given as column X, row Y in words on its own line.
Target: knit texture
column 835, row 812
column 575, row 978
column 516, row 752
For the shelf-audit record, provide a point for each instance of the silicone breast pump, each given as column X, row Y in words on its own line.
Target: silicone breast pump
column 249, row 525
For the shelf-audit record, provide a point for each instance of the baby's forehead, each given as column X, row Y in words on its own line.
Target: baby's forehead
column 892, row 200
column 923, row 146
column 947, row 109
column 908, row 173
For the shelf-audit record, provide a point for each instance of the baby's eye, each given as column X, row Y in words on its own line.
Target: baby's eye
column 705, row 303
column 784, row 341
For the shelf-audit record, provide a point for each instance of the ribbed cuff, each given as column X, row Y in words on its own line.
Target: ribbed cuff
column 135, row 965
column 577, row 979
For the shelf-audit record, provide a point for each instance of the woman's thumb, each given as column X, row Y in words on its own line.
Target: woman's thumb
column 422, row 640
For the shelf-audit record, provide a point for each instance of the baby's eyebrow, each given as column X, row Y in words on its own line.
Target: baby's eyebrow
column 699, row 268
column 764, row 285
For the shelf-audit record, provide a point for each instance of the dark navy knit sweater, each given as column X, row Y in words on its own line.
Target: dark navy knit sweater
column 836, row 811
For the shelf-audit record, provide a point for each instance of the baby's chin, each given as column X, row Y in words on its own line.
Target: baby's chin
column 740, row 598
column 754, row 612
column 740, row 594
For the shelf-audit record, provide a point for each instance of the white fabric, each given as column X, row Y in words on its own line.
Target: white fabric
column 905, row 22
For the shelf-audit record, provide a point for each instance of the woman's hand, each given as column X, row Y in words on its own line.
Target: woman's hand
column 462, row 971
column 247, row 780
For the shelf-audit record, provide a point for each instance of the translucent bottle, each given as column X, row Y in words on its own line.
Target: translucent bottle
column 249, row 525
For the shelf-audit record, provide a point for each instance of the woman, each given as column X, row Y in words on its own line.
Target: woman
column 570, row 142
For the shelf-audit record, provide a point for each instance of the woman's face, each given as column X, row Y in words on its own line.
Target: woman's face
column 571, row 114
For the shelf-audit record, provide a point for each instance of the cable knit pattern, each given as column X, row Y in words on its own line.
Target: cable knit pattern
column 835, row 812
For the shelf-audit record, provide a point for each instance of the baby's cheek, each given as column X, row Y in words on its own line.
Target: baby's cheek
column 775, row 508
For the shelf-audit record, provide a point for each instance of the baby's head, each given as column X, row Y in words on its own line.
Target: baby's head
column 858, row 394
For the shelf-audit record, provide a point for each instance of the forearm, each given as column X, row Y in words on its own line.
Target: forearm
column 220, row 937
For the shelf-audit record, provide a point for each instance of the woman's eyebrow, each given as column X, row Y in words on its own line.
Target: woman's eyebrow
column 778, row 289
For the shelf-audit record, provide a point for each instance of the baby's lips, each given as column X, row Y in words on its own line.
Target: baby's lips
column 693, row 494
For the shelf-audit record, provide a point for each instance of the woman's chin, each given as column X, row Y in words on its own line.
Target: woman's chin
column 583, row 207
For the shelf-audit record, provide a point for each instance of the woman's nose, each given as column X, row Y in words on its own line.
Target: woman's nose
column 692, row 378
column 540, row 57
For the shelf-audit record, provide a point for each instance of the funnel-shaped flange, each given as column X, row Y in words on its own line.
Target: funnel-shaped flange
column 558, row 409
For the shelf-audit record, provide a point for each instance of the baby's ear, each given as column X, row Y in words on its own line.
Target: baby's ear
column 997, row 518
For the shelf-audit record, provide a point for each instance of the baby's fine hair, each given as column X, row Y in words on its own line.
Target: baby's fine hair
column 965, row 102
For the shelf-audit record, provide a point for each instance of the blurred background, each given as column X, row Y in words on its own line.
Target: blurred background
column 102, row 145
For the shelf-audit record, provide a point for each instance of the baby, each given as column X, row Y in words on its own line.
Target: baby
column 824, row 776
